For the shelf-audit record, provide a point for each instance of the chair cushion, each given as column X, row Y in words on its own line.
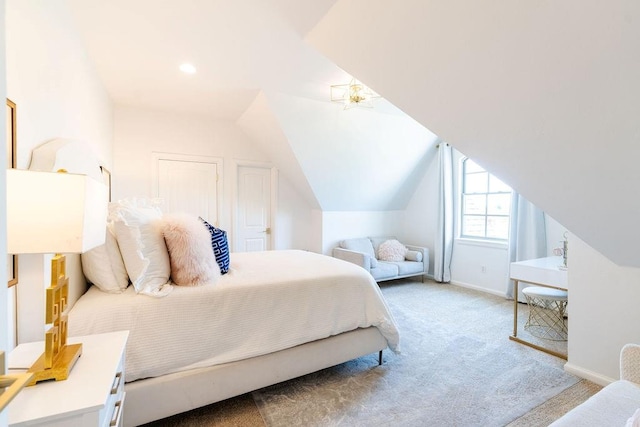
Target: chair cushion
column 409, row 267
column 384, row 270
column 544, row 292
column 362, row 245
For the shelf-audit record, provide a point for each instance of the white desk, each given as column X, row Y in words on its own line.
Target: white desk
column 540, row 272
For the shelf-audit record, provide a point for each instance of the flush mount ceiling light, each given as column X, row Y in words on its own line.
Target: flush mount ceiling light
column 353, row 94
column 188, row 68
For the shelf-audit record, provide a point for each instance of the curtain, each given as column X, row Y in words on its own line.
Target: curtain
column 527, row 236
column 443, row 247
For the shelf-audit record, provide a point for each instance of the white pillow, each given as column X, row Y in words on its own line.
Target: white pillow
column 413, row 256
column 103, row 265
column 138, row 231
column 392, row 250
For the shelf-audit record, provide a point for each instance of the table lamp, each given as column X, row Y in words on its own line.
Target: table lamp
column 54, row 213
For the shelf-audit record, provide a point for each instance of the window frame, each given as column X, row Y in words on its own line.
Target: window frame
column 462, row 215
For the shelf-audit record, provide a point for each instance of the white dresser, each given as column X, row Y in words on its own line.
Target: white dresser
column 93, row 395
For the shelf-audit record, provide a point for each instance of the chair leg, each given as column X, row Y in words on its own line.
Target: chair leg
column 380, row 358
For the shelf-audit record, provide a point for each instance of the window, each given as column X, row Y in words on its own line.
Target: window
column 486, row 204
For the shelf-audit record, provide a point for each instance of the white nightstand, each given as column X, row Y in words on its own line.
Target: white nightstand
column 93, row 395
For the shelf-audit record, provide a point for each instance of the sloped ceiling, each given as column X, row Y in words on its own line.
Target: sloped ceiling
column 260, row 123
column 356, row 159
column 544, row 94
column 255, row 68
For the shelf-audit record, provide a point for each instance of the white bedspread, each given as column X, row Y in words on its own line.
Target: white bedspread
column 268, row 301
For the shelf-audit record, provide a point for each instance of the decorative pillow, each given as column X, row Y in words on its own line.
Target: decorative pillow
column 103, row 265
column 392, row 250
column 137, row 229
column 189, row 245
column 220, row 246
column 376, row 241
column 413, row 256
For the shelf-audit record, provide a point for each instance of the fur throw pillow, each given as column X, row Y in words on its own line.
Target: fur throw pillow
column 189, row 244
column 392, row 250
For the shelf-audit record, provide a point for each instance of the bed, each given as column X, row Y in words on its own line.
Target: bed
column 275, row 316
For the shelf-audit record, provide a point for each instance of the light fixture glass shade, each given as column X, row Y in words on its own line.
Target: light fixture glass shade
column 54, row 212
column 353, row 94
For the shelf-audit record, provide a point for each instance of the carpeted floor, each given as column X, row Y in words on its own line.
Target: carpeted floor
column 457, row 368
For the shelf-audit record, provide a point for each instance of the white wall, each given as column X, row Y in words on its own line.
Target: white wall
column 354, row 160
column 604, row 312
column 341, row 225
column 58, row 94
column 554, row 112
column 420, row 216
column 53, row 82
column 5, row 343
column 140, row 132
column 294, row 221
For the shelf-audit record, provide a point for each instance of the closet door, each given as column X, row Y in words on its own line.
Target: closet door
column 189, row 184
column 254, row 209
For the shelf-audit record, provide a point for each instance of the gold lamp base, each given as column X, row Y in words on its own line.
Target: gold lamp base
column 58, row 358
column 61, row 368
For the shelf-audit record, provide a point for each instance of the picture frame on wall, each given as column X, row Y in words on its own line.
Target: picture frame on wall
column 12, row 156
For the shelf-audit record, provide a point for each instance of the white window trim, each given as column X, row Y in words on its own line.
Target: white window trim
column 486, row 243
column 470, row 240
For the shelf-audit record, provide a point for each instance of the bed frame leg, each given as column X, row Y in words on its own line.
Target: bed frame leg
column 380, row 358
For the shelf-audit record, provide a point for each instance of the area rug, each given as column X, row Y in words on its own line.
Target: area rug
column 557, row 406
column 457, row 367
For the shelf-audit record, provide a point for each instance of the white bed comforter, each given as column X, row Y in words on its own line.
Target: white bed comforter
column 268, row 301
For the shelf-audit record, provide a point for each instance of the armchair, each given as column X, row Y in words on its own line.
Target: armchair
column 616, row 403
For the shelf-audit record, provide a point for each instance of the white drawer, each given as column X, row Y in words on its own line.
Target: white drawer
column 112, row 412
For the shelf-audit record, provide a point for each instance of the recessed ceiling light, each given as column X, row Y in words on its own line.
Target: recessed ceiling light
column 188, row 68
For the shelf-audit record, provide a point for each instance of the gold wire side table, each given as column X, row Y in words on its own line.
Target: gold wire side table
column 547, row 313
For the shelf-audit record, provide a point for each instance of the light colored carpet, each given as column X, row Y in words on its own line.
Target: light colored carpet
column 457, row 368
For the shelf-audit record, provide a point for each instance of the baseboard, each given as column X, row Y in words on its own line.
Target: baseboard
column 587, row 374
column 478, row 288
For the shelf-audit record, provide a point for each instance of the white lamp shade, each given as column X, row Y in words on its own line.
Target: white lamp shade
column 54, row 212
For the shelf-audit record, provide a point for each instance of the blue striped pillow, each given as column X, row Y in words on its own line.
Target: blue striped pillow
column 220, row 246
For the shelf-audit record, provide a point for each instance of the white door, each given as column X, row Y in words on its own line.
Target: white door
column 254, row 209
column 189, row 186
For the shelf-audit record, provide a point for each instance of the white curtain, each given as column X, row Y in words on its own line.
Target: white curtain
column 527, row 236
column 444, row 231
